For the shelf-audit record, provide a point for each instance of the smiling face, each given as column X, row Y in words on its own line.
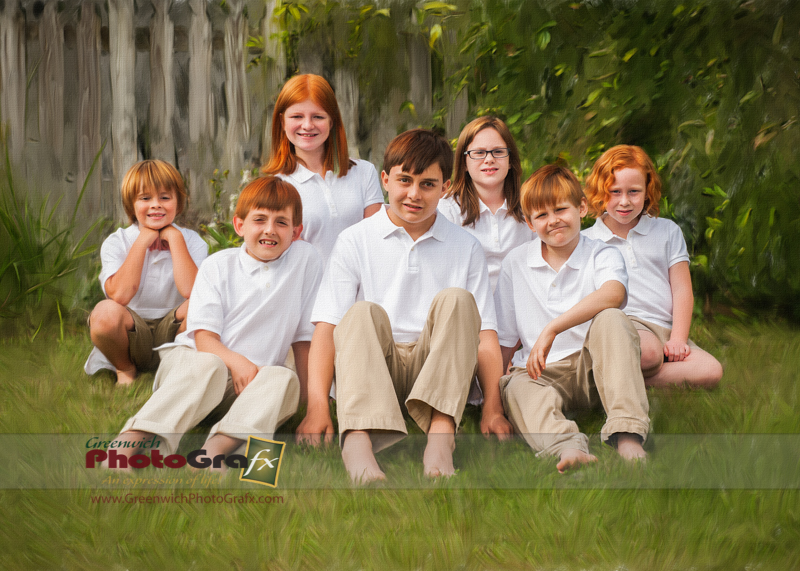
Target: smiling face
column 267, row 233
column 413, row 198
column 155, row 210
column 489, row 173
column 307, row 127
column 626, row 200
column 559, row 226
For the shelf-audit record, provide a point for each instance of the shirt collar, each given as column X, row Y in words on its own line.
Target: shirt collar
column 483, row 208
column 301, row 173
column 643, row 227
column 251, row 265
column 576, row 260
column 387, row 227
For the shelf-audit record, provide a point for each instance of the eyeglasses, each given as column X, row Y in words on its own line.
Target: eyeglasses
column 480, row 154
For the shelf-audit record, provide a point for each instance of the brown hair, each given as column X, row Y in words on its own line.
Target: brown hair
column 151, row 175
column 548, row 186
column 282, row 157
column 270, row 193
column 602, row 177
column 416, row 150
column 463, row 189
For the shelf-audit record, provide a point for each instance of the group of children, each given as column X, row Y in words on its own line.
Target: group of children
column 404, row 304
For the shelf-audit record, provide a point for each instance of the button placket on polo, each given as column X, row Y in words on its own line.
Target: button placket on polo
column 327, row 192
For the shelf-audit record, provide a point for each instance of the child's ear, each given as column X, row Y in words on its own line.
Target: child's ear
column 584, row 209
column 530, row 224
column 237, row 225
column 445, row 186
column 384, row 179
column 296, row 231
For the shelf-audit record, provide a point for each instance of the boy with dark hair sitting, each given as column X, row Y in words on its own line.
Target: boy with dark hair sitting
column 404, row 316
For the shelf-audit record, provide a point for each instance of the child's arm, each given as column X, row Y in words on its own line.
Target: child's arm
column 680, row 282
column 123, row 285
column 184, row 270
column 320, row 375
column 490, row 363
column 610, row 295
column 300, row 349
column 242, row 369
column 508, row 354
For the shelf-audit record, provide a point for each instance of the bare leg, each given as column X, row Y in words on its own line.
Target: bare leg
column 127, row 452
column 574, row 458
column 108, row 327
column 220, row 444
column 180, row 315
column 359, row 461
column 438, row 457
column 652, row 352
column 629, row 446
column 698, row 369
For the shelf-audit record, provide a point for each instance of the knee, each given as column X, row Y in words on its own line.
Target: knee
column 216, row 372
column 713, row 373
column 652, row 359
column 455, row 296
column 106, row 317
column 610, row 316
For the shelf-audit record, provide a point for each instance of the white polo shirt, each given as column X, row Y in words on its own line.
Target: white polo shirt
column 498, row 233
column 157, row 294
column 334, row 203
column 653, row 246
column 377, row 261
column 530, row 294
column 257, row 308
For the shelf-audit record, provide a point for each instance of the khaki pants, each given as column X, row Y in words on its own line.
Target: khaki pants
column 605, row 371
column 190, row 385
column 374, row 374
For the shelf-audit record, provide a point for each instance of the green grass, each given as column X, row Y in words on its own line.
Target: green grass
column 546, row 521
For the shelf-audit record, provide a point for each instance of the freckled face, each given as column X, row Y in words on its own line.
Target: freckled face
column 267, row 233
column 559, row 226
column 155, row 209
column 626, row 202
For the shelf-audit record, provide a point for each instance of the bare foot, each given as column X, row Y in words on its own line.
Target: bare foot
column 359, row 461
column 438, row 457
column 573, row 458
column 629, row 446
column 132, row 436
column 220, row 444
column 126, row 377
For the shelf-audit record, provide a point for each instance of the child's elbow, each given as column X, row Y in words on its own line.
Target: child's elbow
column 616, row 295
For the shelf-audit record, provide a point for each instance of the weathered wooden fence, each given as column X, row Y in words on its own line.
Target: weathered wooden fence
column 170, row 79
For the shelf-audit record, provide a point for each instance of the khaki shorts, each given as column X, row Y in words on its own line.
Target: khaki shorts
column 147, row 334
column 661, row 333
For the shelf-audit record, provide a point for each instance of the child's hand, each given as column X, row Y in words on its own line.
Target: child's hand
column 148, row 237
column 170, row 233
column 538, row 357
column 676, row 350
column 242, row 371
column 496, row 424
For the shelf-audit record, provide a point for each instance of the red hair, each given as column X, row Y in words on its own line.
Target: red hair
column 270, row 193
column 282, row 157
column 602, row 177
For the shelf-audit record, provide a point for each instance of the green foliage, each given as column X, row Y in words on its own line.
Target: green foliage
column 43, row 258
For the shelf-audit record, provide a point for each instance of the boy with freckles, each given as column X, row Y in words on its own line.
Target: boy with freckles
column 249, row 305
column 560, row 295
column 405, row 317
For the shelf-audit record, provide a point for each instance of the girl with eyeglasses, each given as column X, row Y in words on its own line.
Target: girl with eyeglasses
column 484, row 194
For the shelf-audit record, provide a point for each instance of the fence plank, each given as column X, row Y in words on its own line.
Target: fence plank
column 122, row 54
column 88, row 124
column 12, row 79
column 162, row 86
column 201, row 105
column 51, row 87
column 274, row 66
column 236, row 94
